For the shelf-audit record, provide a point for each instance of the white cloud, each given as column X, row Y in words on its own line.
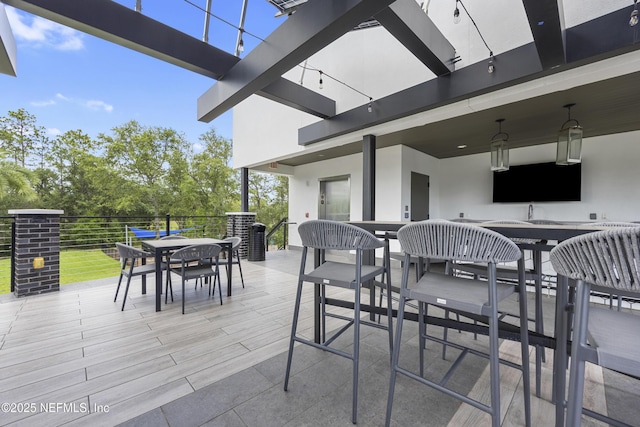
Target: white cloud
column 54, row 131
column 43, row 103
column 95, row 105
column 197, row 147
column 40, row 32
column 99, row 105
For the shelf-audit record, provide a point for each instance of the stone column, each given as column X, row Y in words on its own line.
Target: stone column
column 37, row 251
column 239, row 224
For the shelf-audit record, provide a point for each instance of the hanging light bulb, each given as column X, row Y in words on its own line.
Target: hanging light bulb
column 370, row 107
column 491, row 68
column 456, row 14
column 241, row 45
column 633, row 20
column 320, row 82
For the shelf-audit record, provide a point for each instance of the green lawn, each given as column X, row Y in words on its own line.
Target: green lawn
column 75, row 266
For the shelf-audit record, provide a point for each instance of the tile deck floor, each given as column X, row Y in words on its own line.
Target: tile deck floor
column 73, row 358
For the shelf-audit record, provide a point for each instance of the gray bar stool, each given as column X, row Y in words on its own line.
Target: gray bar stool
column 445, row 240
column 606, row 260
column 332, row 235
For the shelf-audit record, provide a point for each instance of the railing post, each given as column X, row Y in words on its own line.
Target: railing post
column 13, row 255
column 168, row 224
column 284, row 239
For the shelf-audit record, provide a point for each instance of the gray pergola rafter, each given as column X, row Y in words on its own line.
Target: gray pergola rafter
column 113, row 22
column 307, row 31
column 546, row 20
column 408, row 23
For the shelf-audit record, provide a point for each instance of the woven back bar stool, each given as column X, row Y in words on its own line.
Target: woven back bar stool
column 337, row 236
column 532, row 274
column 473, row 298
column 608, row 259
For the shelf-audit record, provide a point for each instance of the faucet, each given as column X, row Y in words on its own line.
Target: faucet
column 530, row 212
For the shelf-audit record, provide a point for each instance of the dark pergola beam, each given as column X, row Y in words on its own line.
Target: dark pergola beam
column 299, row 97
column 546, row 19
column 311, row 28
column 408, row 23
column 7, row 46
column 473, row 80
column 584, row 42
column 115, row 23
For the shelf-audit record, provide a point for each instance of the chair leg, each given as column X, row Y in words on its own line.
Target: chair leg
column 524, row 343
column 294, row 327
column 168, row 287
column 422, row 331
column 217, row 276
column 118, row 288
column 183, row 281
column 240, row 267
column 576, row 370
column 126, row 291
column 390, row 319
column 494, row 356
column 323, row 311
column 356, row 354
column 394, row 359
column 445, row 335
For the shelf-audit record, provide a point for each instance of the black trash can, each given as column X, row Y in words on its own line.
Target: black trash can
column 256, row 242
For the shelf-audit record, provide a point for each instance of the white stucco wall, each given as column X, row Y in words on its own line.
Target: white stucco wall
column 368, row 60
column 610, row 181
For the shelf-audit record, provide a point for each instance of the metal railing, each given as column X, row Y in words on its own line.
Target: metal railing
column 281, row 224
column 87, row 243
column 6, row 269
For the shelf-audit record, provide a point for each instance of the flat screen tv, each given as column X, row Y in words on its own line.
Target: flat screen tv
column 539, row 182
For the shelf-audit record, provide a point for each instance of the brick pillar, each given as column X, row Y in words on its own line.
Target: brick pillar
column 37, row 251
column 239, row 224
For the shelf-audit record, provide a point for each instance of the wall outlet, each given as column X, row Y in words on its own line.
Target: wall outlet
column 593, row 216
column 406, row 215
column 461, row 214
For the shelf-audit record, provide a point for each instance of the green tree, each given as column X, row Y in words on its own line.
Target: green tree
column 147, row 157
column 15, row 182
column 19, row 133
column 269, row 199
column 212, row 183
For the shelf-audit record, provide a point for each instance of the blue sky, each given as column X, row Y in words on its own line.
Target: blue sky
column 70, row 80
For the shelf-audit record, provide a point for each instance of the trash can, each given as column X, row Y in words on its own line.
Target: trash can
column 256, row 242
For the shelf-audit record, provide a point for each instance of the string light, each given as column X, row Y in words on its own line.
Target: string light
column 223, row 20
column 241, row 45
column 320, row 83
column 370, row 107
column 633, row 20
column 491, row 67
column 456, row 14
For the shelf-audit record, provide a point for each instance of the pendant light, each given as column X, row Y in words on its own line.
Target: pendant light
column 500, row 149
column 569, row 141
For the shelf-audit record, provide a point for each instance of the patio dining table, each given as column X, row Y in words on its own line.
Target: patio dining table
column 161, row 247
column 545, row 235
